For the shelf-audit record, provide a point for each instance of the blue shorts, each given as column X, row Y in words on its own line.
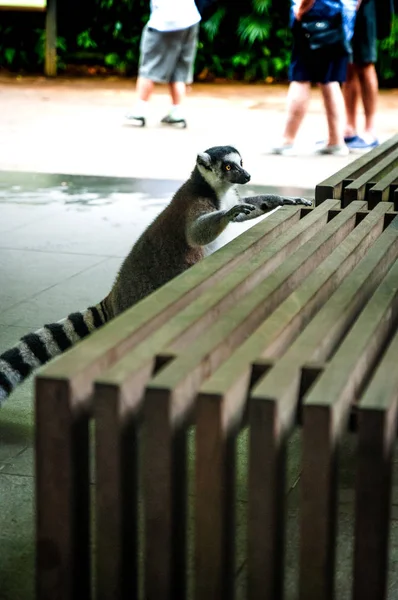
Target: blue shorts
column 317, row 67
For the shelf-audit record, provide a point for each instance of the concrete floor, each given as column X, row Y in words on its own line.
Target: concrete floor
column 62, row 239
column 77, row 126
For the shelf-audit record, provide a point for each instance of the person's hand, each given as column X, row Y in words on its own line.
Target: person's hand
column 298, row 14
column 302, row 8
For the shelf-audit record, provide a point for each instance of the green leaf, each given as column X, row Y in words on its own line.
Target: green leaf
column 9, row 54
column 112, row 59
column 242, row 59
column 85, row 41
column 253, row 29
column 131, row 55
column 61, row 43
column 278, row 64
column 261, row 6
column 212, row 25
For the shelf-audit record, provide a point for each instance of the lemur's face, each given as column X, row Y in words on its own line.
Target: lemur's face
column 222, row 164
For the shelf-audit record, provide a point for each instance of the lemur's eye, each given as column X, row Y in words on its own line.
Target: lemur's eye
column 228, row 167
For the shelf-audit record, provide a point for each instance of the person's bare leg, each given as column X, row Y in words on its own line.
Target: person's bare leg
column 297, row 101
column 351, row 93
column 177, row 92
column 144, row 89
column 369, row 91
column 335, row 114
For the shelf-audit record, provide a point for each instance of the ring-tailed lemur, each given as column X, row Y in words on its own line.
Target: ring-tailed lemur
column 187, row 229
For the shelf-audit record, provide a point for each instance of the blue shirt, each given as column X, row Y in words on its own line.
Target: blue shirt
column 329, row 8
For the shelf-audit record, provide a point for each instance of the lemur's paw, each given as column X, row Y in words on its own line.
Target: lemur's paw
column 240, row 209
column 286, row 200
column 302, row 201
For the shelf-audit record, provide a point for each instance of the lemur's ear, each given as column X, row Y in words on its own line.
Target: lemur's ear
column 204, row 160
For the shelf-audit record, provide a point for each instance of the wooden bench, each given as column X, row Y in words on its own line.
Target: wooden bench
column 292, row 324
column 50, row 7
column 373, row 177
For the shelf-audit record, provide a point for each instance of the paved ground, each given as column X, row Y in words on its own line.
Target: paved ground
column 77, row 127
column 62, row 239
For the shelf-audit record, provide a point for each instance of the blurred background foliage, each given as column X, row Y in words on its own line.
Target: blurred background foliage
column 247, row 41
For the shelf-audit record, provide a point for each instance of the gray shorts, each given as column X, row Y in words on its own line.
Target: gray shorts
column 167, row 56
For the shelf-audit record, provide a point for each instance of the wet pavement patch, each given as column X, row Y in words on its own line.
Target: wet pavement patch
column 46, row 188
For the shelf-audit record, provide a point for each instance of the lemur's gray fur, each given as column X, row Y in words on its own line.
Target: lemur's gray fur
column 183, row 233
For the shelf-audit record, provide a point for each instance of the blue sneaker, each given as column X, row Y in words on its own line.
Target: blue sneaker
column 350, row 138
column 358, row 143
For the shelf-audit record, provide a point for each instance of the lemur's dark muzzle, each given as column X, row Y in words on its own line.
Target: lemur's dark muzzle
column 244, row 176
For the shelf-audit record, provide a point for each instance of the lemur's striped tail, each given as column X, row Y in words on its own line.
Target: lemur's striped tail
column 35, row 349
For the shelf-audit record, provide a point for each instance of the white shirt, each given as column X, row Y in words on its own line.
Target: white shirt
column 171, row 15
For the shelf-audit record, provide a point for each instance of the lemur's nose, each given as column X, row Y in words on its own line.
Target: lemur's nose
column 246, row 175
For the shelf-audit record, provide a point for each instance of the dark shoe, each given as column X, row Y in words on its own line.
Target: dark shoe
column 336, row 150
column 133, row 118
column 170, row 120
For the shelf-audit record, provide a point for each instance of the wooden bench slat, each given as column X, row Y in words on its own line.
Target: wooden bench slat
column 117, row 482
column 165, row 498
column 326, row 409
column 214, row 502
column 333, row 186
column 377, row 426
column 358, row 188
column 63, row 568
column 383, row 190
